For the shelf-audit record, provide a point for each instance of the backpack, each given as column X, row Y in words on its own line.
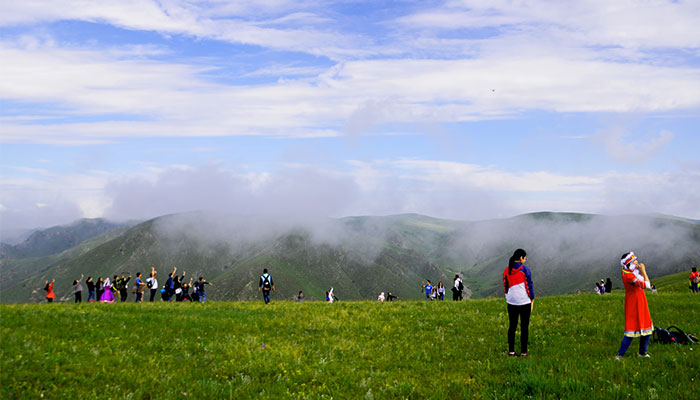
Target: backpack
column 266, row 282
column 461, row 286
column 673, row 335
column 696, row 279
column 149, row 283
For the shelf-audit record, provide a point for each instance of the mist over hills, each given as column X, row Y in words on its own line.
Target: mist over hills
column 362, row 256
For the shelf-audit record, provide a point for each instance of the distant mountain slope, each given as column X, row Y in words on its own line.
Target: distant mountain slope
column 58, row 238
column 362, row 256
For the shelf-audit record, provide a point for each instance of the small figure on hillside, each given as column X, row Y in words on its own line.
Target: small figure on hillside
column 138, row 287
column 48, row 287
column 178, row 282
column 78, row 289
column 99, row 288
column 330, row 297
column 152, row 283
column 201, row 292
column 520, row 297
column 265, row 285
column 428, row 289
column 186, row 291
column 91, row 289
column 694, row 281
column 608, row 286
column 124, row 287
column 602, row 286
column 637, row 319
column 107, row 295
column 381, row 297
column 300, row 297
column 390, row 297
column 440, row 291
column 169, row 292
column 457, row 288
column 597, row 289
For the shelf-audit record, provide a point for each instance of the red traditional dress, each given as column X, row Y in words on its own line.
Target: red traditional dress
column 637, row 318
column 49, row 293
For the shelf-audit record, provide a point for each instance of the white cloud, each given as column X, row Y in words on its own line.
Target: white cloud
column 165, row 99
column 620, row 145
column 303, row 192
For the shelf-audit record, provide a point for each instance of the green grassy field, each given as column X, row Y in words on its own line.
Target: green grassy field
column 346, row 350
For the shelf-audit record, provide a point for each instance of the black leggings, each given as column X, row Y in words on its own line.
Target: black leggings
column 523, row 312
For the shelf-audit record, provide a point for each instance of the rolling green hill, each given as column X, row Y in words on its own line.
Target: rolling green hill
column 362, row 256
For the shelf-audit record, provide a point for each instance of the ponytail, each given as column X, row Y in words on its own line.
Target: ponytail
column 517, row 255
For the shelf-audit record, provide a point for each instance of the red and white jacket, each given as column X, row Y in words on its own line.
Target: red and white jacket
column 517, row 285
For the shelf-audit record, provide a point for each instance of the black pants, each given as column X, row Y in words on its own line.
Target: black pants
column 78, row 297
column 153, row 293
column 515, row 312
column 123, row 294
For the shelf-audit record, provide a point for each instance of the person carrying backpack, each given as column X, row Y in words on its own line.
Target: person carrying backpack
column 457, row 288
column 695, row 280
column 637, row 319
column 266, row 285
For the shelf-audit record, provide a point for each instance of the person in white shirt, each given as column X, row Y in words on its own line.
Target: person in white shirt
column 152, row 283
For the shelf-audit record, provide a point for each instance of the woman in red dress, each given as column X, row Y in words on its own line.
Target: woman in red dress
column 637, row 319
column 50, row 295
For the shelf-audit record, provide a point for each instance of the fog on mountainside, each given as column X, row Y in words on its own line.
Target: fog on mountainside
column 362, row 256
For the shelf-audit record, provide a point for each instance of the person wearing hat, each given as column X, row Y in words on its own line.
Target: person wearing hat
column 637, row 319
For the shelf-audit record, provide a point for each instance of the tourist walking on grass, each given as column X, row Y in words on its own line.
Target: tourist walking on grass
column 694, row 281
column 637, row 319
column 78, row 289
column 457, row 288
column 520, row 297
column 265, row 285
column 48, row 287
column 91, row 289
column 152, row 284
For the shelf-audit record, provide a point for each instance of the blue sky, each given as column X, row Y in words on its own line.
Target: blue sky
column 457, row 109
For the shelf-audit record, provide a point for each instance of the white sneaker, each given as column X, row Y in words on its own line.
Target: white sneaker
column 618, row 358
column 645, row 355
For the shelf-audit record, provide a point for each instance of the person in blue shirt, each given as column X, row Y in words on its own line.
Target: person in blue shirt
column 428, row 289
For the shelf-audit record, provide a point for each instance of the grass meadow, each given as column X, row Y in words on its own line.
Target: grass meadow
column 345, row 350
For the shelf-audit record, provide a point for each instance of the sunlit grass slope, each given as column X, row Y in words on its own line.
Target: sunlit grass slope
column 346, row 350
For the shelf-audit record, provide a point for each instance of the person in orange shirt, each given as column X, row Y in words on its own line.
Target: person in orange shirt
column 637, row 319
column 50, row 295
column 695, row 280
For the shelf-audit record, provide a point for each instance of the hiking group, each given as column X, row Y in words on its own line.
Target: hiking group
column 107, row 291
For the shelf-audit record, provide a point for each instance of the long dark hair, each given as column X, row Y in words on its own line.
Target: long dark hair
column 517, row 255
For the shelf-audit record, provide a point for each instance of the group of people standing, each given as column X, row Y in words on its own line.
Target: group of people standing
column 437, row 292
column 107, row 291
